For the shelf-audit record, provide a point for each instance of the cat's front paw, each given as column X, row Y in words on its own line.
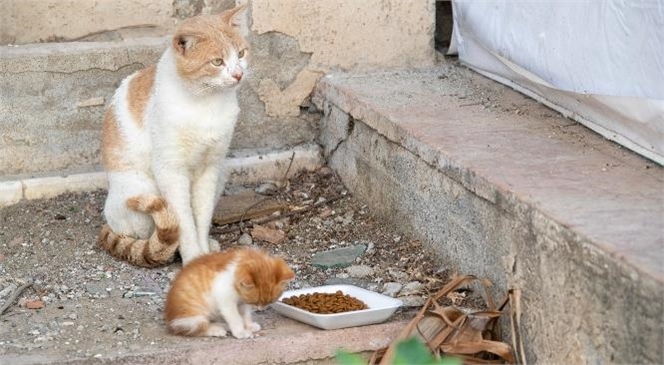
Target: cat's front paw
column 242, row 333
column 253, row 327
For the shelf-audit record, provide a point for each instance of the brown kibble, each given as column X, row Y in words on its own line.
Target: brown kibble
column 326, row 303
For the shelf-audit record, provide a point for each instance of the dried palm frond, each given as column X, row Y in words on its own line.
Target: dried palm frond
column 473, row 337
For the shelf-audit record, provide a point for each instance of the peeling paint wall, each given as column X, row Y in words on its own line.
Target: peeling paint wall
column 343, row 35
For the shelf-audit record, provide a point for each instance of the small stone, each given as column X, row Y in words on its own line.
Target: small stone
column 325, row 212
column 143, row 292
column 398, row 275
column 345, row 281
column 34, row 304
column 359, row 271
column 340, row 257
column 34, row 332
column 414, row 287
column 413, row 300
column 391, row 289
column 266, row 189
column 96, row 288
column 129, row 294
column 325, row 171
column 67, row 323
column 245, row 239
column 273, row 236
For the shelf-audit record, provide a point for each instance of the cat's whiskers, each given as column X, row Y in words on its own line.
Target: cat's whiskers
column 205, row 88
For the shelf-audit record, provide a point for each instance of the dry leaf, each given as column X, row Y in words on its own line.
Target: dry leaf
column 34, row 304
column 325, row 212
column 474, row 337
column 273, row 236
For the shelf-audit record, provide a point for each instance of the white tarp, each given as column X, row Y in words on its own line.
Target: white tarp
column 600, row 62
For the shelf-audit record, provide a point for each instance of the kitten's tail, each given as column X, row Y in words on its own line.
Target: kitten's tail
column 156, row 250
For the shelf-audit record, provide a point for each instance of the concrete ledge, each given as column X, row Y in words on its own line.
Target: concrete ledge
column 285, row 342
column 246, row 167
column 505, row 188
column 11, row 192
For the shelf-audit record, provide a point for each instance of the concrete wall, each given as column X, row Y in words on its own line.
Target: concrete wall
column 580, row 306
column 52, row 95
column 29, row 21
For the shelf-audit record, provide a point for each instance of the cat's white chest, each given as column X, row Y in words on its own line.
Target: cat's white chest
column 194, row 130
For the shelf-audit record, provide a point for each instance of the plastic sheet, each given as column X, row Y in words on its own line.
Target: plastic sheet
column 600, row 63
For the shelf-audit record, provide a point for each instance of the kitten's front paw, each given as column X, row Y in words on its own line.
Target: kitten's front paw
column 215, row 330
column 214, row 245
column 254, row 327
column 243, row 333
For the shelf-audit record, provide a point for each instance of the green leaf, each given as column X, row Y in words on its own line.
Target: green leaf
column 412, row 351
column 347, row 358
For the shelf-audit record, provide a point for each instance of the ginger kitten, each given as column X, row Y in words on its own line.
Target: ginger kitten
column 227, row 285
column 164, row 140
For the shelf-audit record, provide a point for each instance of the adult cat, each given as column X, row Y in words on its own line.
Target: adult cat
column 165, row 136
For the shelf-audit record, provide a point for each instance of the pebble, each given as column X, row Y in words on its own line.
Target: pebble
column 245, row 239
column 391, row 289
column 96, row 288
column 340, row 257
column 359, row 271
column 266, row 189
column 414, row 287
column 413, row 300
column 144, row 292
column 398, row 275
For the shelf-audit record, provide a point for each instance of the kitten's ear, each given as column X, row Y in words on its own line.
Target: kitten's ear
column 184, row 42
column 285, row 274
column 230, row 16
column 247, row 282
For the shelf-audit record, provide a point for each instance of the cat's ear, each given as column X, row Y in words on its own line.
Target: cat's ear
column 285, row 274
column 247, row 282
column 230, row 16
column 184, row 42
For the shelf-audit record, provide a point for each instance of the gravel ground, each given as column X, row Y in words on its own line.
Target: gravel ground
column 84, row 303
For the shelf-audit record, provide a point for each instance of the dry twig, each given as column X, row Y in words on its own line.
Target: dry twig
column 14, row 296
column 274, row 218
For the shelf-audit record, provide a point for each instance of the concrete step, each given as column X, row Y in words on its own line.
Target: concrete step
column 282, row 341
column 506, row 188
column 245, row 167
column 52, row 99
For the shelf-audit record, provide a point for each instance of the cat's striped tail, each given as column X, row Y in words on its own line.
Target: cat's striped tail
column 156, row 250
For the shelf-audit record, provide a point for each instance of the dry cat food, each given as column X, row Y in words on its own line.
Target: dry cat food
column 326, row 303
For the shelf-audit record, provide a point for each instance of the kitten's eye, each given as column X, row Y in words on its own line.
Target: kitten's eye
column 217, row 62
column 241, row 54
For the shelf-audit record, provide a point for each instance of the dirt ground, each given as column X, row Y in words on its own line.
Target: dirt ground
column 85, row 303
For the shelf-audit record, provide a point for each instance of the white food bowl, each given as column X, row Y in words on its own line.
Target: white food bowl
column 381, row 307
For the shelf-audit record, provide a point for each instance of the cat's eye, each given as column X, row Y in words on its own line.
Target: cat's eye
column 241, row 54
column 217, row 62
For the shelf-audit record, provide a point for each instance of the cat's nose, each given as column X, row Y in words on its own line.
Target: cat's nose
column 237, row 75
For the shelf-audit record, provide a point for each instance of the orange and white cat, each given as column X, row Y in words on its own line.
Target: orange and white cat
column 164, row 140
column 227, row 285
